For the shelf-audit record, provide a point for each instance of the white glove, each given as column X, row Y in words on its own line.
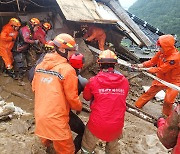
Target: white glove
column 36, row 41
column 137, row 65
column 140, row 65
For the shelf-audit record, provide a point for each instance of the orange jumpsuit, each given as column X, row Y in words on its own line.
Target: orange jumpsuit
column 55, row 85
column 167, row 68
column 7, row 38
column 98, row 34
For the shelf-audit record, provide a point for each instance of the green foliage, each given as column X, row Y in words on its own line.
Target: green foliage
column 162, row 14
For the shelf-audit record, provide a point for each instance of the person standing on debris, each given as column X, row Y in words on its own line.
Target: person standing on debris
column 77, row 62
column 56, row 78
column 8, row 36
column 22, row 56
column 166, row 65
column 107, row 92
column 95, row 33
column 168, row 130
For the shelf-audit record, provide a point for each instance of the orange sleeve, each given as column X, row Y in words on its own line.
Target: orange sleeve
column 71, row 90
column 5, row 34
column 153, row 61
column 167, row 66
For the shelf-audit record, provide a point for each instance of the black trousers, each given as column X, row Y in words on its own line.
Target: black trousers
column 78, row 127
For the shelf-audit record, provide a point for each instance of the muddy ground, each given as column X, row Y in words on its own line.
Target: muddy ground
column 17, row 136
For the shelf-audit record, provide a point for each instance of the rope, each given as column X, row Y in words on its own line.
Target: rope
column 7, row 2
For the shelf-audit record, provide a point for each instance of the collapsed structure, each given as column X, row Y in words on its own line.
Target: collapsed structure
column 68, row 16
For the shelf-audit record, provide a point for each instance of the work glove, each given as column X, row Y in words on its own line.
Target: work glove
column 36, row 41
column 137, row 65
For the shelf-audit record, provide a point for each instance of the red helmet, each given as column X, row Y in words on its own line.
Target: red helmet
column 107, row 57
column 77, row 60
column 34, row 21
column 65, row 41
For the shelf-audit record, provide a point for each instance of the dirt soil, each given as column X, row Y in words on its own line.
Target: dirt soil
column 17, row 135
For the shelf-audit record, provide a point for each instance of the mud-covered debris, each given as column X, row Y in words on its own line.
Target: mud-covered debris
column 9, row 110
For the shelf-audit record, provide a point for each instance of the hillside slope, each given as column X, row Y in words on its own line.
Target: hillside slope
column 162, row 14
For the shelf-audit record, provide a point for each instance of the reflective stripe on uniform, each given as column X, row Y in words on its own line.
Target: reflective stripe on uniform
column 51, row 72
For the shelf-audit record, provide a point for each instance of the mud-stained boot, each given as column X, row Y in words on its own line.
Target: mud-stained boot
column 11, row 73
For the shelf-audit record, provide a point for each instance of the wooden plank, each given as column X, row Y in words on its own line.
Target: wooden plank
column 85, row 10
column 76, row 10
column 122, row 14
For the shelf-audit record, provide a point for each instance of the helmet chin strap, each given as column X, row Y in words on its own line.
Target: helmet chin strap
column 65, row 54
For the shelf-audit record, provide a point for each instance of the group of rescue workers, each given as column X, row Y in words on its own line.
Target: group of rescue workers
column 55, row 73
column 15, row 42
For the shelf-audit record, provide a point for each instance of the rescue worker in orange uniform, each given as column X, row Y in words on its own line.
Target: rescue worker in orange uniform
column 55, row 86
column 97, row 34
column 166, row 65
column 8, row 36
column 77, row 61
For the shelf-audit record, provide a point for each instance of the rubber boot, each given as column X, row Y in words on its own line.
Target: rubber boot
column 167, row 109
column 11, row 73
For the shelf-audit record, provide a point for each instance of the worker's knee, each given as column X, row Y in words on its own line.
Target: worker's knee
column 88, row 142
column 170, row 96
column 64, row 146
column 113, row 147
column 167, row 108
column 45, row 141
